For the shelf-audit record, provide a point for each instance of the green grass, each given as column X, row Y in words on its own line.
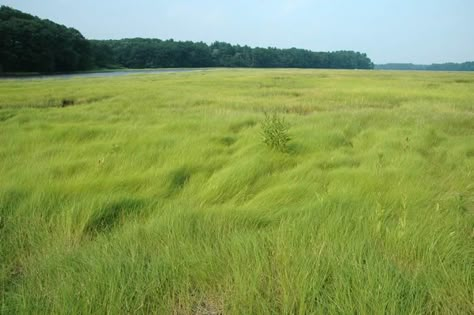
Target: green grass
column 155, row 194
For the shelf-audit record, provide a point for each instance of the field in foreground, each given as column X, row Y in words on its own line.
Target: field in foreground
column 155, row 194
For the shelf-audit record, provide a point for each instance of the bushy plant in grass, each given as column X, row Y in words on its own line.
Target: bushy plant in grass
column 275, row 132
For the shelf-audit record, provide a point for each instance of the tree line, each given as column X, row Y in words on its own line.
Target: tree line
column 156, row 53
column 31, row 44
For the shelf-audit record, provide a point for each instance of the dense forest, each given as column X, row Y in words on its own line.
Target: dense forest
column 31, row 44
column 450, row 66
column 155, row 53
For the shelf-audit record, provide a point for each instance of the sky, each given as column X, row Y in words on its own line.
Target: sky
column 408, row 31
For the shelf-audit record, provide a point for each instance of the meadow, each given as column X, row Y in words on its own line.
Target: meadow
column 155, row 194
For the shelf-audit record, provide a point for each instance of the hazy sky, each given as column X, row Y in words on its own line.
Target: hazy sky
column 418, row 31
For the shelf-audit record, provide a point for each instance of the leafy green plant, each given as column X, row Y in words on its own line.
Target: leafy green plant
column 275, row 132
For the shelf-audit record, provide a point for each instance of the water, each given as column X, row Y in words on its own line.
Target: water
column 100, row 74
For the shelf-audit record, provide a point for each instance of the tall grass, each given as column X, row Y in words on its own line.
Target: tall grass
column 155, row 194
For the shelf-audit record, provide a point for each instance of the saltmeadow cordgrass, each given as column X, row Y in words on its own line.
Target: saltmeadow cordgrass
column 155, row 194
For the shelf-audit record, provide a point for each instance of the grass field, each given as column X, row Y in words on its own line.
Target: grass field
column 155, row 194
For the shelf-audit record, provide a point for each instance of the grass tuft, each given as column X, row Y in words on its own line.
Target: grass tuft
column 113, row 214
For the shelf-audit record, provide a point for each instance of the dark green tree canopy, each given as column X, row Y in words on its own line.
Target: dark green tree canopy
column 155, row 53
column 28, row 43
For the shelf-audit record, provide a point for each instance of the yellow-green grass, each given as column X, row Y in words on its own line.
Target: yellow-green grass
column 155, row 194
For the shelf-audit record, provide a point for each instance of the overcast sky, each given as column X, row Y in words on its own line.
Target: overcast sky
column 417, row 31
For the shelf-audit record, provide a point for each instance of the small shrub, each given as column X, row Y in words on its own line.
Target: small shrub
column 275, row 132
column 67, row 102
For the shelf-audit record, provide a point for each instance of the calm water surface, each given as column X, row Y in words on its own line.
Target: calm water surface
column 99, row 74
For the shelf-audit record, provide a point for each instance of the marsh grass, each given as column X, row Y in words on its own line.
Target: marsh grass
column 154, row 194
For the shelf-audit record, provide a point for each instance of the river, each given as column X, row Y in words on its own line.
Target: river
column 99, row 74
